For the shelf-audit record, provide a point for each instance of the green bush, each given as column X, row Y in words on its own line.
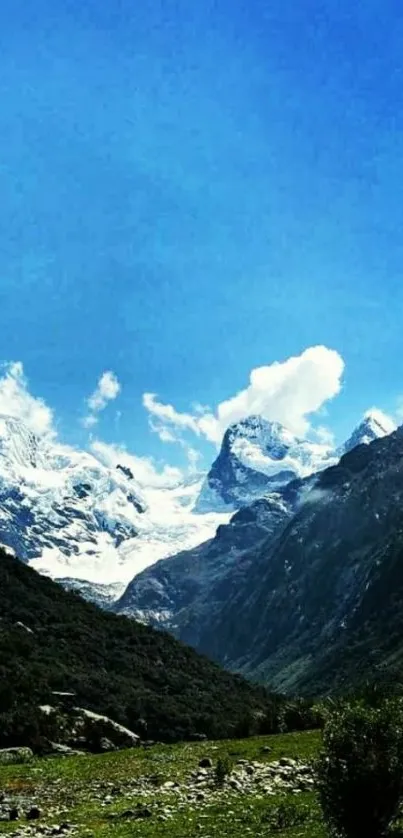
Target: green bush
column 360, row 771
column 222, row 770
column 286, row 815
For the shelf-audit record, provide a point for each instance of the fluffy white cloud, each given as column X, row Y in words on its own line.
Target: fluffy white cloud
column 107, row 389
column 144, row 469
column 16, row 400
column 287, row 391
column 167, row 415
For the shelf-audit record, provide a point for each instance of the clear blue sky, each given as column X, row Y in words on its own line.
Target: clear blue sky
column 193, row 189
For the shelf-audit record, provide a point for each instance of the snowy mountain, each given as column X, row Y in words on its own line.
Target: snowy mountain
column 58, row 502
column 184, row 593
column 93, row 525
column 258, row 457
column 71, row 516
column 374, row 425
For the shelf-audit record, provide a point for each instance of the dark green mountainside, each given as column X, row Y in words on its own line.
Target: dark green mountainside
column 321, row 609
column 51, row 639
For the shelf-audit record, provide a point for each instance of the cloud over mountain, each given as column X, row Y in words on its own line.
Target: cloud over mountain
column 17, row 401
column 287, row 391
column 107, row 389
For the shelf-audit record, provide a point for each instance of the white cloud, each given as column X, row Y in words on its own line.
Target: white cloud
column 107, row 389
column 89, row 421
column 287, row 391
column 16, row 401
column 144, row 469
column 167, row 414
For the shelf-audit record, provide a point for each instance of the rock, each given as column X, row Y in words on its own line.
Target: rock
column 90, row 725
column 13, row 814
column 206, row 762
column 58, row 750
column 140, row 812
column 235, row 784
column 266, row 749
column 13, row 756
column 106, row 744
column 33, row 813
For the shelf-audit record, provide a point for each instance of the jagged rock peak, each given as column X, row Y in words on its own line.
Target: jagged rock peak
column 374, row 425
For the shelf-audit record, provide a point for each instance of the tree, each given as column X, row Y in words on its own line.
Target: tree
column 360, row 771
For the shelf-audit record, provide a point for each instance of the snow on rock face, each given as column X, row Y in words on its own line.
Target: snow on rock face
column 91, row 524
column 55, row 501
column 256, row 458
column 375, row 425
column 82, row 521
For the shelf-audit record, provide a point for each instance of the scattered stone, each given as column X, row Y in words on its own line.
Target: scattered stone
column 33, row 813
column 56, row 749
column 106, row 744
column 14, row 756
column 206, row 762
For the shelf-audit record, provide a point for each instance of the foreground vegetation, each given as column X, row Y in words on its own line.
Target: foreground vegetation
column 50, row 639
column 348, row 784
column 91, row 792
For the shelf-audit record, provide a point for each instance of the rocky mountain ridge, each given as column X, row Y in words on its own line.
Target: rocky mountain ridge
column 94, row 527
column 257, row 457
column 282, row 593
column 321, row 605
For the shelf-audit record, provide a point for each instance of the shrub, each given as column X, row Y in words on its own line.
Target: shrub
column 360, row 771
column 286, row 815
column 222, row 770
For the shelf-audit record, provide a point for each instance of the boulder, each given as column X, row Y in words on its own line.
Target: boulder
column 13, row 756
column 96, row 729
column 206, row 762
column 106, row 744
column 56, row 749
column 33, row 813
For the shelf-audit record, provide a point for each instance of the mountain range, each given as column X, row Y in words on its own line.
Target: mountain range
column 74, row 517
column 264, row 564
column 303, row 593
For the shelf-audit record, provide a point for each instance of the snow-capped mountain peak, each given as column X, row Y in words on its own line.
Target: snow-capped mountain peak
column 374, row 425
column 257, row 457
column 72, row 515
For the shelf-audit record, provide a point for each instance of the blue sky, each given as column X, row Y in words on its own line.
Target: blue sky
column 193, row 190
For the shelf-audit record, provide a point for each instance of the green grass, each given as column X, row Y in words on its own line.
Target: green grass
column 73, row 790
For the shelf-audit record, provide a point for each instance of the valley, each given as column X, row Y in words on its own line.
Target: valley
column 164, row 791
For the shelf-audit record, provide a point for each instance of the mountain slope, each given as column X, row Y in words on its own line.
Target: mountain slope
column 51, row 639
column 71, row 515
column 53, row 498
column 181, row 593
column 186, row 592
column 321, row 605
